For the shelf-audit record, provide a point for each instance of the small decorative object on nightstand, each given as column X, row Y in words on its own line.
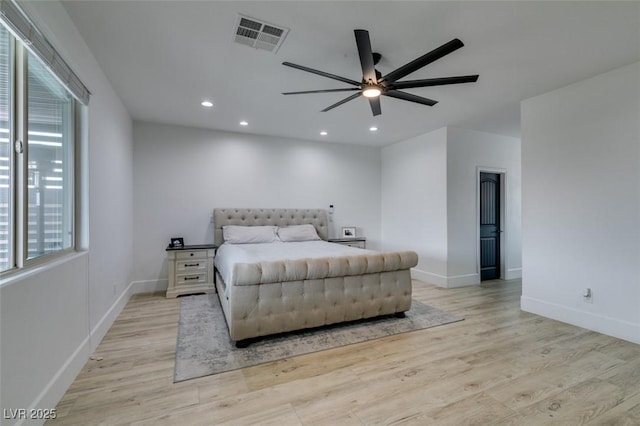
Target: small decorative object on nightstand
column 348, row 232
column 359, row 242
column 190, row 269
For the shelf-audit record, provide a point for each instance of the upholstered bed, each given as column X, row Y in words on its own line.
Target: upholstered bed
column 262, row 294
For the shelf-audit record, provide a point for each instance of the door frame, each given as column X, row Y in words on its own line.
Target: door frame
column 503, row 217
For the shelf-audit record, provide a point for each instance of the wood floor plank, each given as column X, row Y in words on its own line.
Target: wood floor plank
column 544, row 383
column 577, row 405
column 499, row 366
column 625, row 414
column 479, row 409
column 276, row 416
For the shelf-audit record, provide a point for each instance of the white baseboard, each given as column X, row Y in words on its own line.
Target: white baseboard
column 513, row 274
column 463, row 280
column 602, row 324
column 64, row 377
column 58, row 385
column 149, row 286
column 420, row 275
column 100, row 329
column 445, row 281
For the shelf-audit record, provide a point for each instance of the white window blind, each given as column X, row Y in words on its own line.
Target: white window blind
column 18, row 22
column 50, row 159
column 37, row 178
column 6, row 182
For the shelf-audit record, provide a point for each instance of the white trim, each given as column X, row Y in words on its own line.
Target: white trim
column 428, row 277
column 102, row 327
column 64, row 377
column 602, row 324
column 513, row 273
column 61, row 381
column 445, row 281
column 150, row 286
column 16, row 276
column 463, row 280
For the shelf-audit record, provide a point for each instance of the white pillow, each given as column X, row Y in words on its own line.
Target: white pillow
column 234, row 234
column 297, row 233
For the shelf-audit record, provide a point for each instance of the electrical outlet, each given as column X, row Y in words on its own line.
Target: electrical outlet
column 587, row 295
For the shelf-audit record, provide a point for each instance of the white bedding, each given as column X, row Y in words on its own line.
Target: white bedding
column 229, row 254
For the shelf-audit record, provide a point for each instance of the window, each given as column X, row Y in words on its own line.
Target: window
column 37, row 146
column 50, row 162
column 6, row 183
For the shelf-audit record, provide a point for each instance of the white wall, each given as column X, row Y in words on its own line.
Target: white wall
column 430, row 198
column 51, row 318
column 181, row 174
column 581, row 203
column 468, row 152
column 414, row 202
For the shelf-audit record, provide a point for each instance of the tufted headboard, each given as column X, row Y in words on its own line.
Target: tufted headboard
column 276, row 217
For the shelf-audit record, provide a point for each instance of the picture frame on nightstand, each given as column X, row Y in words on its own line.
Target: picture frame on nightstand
column 348, row 232
column 177, row 242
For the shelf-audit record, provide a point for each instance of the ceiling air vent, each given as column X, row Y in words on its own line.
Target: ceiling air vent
column 259, row 34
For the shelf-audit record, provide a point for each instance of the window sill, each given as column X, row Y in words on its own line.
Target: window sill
column 17, row 275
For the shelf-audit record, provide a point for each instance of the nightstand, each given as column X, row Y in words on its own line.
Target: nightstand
column 358, row 242
column 190, row 270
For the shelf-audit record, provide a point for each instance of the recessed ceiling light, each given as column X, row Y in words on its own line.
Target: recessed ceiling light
column 244, row 123
column 323, row 133
column 207, row 104
column 373, row 129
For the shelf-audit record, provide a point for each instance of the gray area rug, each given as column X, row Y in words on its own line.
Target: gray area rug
column 204, row 346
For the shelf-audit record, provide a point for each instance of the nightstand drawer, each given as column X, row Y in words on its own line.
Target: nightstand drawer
column 188, row 266
column 357, row 244
column 191, row 279
column 200, row 254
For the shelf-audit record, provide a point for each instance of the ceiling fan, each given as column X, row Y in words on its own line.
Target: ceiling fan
column 374, row 84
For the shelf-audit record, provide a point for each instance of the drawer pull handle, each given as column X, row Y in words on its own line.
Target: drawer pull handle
column 191, row 278
column 186, row 265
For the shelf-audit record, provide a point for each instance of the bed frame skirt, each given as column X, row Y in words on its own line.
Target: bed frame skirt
column 271, row 308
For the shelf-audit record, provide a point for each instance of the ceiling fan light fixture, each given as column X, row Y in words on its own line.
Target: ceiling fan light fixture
column 371, row 91
column 373, row 84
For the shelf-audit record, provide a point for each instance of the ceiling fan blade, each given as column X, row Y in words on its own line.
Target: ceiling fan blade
column 375, row 106
column 349, row 89
column 366, row 56
column 345, row 100
column 322, row 73
column 435, row 81
column 410, row 97
column 423, row 60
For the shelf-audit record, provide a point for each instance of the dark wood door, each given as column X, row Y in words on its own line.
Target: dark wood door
column 489, row 226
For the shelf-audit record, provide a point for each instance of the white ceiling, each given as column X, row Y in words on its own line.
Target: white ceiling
column 164, row 57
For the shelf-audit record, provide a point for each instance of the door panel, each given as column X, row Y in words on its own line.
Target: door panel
column 489, row 226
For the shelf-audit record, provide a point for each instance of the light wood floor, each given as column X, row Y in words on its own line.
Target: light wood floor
column 499, row 366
